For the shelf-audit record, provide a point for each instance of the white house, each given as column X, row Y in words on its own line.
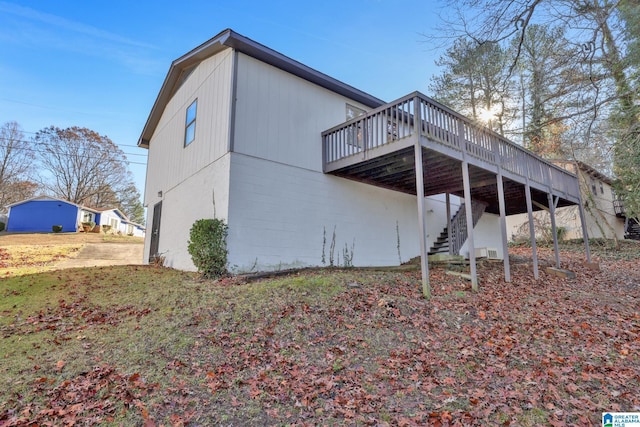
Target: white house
column 118, row 223
column 604, row 213
column 306, row 169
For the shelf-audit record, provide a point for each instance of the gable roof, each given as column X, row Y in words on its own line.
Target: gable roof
column 230, row 39
column 51, row 199
column 81, row 207
column 588, row 169
column 116, row 211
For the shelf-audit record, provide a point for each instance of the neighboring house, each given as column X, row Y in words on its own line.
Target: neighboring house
column 39, row 214
column 603, row 214
column 307, row 170
column 115, row 222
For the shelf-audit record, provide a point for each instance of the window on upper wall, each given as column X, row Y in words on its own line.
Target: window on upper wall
column 354, row 132
column 190, row 123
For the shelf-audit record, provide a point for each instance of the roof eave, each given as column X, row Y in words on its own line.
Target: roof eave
column 230, row 39
column 172, row 78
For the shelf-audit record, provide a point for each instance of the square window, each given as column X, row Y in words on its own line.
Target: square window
column 354, row 132
column 353, row 112
column 190, row 123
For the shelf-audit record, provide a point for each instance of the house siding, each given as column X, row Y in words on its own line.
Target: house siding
column 282, row 216
column 287, row 216
column 600, row 215
column 280, row 117
column 282, row 210
column 40, row 215
column 205, row 194
column 486, row 234
column 106, row 218
column 600, row 218
column 187, row 177
column 170, row 162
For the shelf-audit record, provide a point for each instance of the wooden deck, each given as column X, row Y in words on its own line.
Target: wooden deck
column 378, row 148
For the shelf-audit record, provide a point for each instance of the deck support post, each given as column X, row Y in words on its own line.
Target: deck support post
column 469, row 217
column 532, row 231
column 503, row 228
column 552, row 213
column 422, row 220
column 585, row 234
column 448, row 202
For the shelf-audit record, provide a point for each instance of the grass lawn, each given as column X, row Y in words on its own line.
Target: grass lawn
column 138, row 345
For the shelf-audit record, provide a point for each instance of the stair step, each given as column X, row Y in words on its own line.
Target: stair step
column 442, row 244
column 439, row 251
column 445, row 258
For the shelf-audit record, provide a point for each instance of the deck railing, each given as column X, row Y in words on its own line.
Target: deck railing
column 417, row 113
column 618, row 207
column 459, row 231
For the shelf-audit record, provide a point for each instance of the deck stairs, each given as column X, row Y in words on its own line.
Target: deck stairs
column 459, row 231
column 632, row 229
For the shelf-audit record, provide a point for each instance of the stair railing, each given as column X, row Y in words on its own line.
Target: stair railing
column 459, row 231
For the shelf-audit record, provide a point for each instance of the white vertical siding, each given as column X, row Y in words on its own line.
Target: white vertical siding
column 281, row 202
column 188, row 177
column 280, row 117
column 170, row 162
column 281, row 209
column 205, row 194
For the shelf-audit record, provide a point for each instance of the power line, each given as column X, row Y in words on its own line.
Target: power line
column 129, row 162
column 122, row 145
column 40, row 151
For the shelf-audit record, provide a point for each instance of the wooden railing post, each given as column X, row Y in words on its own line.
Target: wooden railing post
column 417, row 116
column 365, row 136
column 461, row 139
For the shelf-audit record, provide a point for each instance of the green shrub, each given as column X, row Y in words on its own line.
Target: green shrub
column 561, row 233
column 56, row 228
column 208, row 247
column 2, row 225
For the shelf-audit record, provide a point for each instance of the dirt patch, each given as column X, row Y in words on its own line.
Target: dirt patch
column 30, row 253
column 49, row 238
column 103, row 254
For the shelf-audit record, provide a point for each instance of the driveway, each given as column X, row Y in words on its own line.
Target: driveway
column 101, row 254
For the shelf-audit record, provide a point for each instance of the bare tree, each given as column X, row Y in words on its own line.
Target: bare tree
column 16, row 160
column 80, row 165
column 603, row 45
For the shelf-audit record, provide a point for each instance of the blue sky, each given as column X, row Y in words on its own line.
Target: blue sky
column 100, row 64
